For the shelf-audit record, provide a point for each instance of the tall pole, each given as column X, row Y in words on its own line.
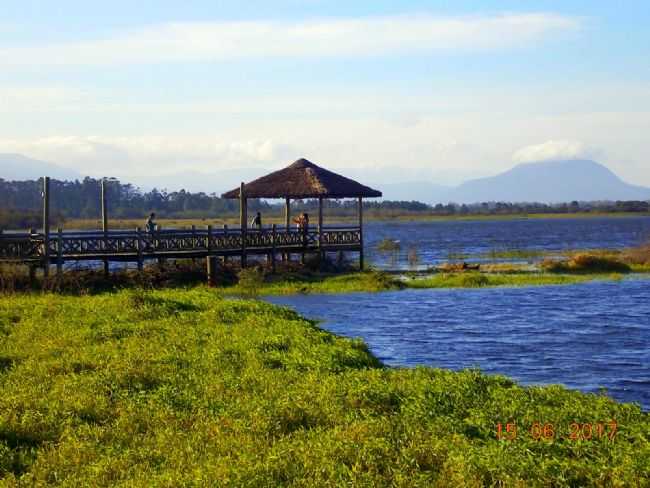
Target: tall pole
column 287, row 222
column 320, row 230
column 243, row 222
column 360, row 233
column 105, row 224
column 46, row 225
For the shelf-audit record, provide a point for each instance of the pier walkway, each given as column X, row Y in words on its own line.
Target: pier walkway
column 139, row 246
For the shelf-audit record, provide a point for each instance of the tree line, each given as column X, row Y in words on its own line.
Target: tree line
column 21, row 202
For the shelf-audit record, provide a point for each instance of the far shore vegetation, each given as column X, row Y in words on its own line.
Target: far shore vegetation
column 76, row 205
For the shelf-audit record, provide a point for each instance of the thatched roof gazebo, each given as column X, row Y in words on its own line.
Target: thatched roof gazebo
column 303, row 179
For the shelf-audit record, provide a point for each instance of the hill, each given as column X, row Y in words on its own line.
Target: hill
column 16, row 167
column 550, row 181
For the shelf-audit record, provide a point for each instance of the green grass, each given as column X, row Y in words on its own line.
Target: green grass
column 375, row 281
column 185, row 388
column 587, row 263
column 476, row 280
column 307, row 283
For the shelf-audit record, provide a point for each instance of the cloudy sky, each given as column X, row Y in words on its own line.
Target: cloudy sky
column 395, row 91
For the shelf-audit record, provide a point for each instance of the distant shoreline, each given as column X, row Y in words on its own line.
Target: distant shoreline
column 368, row 217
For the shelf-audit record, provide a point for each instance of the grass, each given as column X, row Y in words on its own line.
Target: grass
column 375, row 281
column 587, row 263
column 369, row 215
column 388, row 245
column 307, row 283
column 185, row 388
column 254, row 281
column 478, row 280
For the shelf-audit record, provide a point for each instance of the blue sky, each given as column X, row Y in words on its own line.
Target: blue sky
column 406, row 90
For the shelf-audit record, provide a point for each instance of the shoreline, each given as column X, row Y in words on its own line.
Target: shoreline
column 127, row 223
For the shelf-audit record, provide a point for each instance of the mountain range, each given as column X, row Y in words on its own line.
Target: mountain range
column 545, row 182
column 16, row 167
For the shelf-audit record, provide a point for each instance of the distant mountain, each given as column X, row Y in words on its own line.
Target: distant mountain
column 550, row 182
column 544, row 182
column 16, row 167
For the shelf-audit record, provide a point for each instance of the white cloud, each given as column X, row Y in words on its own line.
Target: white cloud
column 34, row 98
column 213, row 41
column 554, row 150
column 154, row 156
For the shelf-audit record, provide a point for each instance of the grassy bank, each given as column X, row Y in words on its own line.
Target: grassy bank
column 187, row 388
column 376, row 281
column 257, row 282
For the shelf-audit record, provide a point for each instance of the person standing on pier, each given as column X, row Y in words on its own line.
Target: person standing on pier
column 302, row 222
column 257, row 221
column 150, row 225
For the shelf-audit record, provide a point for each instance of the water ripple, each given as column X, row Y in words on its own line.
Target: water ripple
column 585, row 336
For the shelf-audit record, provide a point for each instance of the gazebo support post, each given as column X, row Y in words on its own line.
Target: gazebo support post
column 321, row 253
column 360, row 234
column 46, row 226
column 105, row 226
column 243, row 222
column 287, row 222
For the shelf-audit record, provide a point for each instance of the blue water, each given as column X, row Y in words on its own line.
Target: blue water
column 444, row 240
column 584, row 336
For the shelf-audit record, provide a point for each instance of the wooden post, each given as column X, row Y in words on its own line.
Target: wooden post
column 243, row 222
column 59, row 253
column 194, row 242
column 287, row 213
column 32, row 268
column 211, row 265
column 208, row 244
column 360, row 234
column 225, row 235
column 139, row 245
column 46, row 225
column 287, row 222
column 321, row 253
column 105, row 225
column 273, row 237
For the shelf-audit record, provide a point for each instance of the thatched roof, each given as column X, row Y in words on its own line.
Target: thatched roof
column 303, row 179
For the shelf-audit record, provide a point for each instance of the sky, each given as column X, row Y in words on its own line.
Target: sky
column 166, row 92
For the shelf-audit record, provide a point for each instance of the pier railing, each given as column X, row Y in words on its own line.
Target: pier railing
column 137, row 245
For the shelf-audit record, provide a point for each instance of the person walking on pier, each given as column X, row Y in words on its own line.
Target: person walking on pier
column 257, row 221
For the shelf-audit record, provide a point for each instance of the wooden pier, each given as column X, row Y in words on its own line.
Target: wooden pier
column 300, row 180
column 137, row 246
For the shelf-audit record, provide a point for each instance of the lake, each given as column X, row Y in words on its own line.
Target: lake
column 439, row 241
column 584, row 336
